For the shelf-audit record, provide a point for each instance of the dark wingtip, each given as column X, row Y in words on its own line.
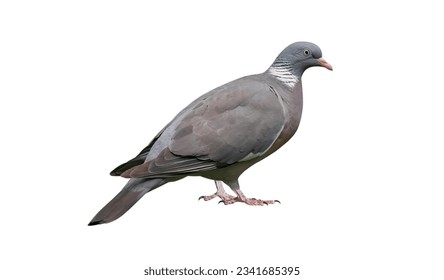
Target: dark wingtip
column 126, row 166
column 117, row 171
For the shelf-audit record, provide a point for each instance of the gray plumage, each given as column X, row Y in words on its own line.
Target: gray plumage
column 222, row 133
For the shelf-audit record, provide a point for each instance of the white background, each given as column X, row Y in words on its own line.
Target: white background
column 85, row 85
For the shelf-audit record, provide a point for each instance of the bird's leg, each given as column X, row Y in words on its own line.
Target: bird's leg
column 252, row 201
column 234, row 185
column 220, row 192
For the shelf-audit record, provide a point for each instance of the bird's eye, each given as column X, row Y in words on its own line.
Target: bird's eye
column 306, row 52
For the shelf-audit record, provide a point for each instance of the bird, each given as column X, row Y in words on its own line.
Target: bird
column 221, row 134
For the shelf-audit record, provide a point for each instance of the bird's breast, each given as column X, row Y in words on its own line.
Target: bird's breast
column 292, row 103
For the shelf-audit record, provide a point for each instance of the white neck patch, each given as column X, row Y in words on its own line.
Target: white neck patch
column 283, row 73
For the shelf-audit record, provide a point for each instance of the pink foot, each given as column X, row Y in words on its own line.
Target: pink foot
column 249, row 201
column 219, row 193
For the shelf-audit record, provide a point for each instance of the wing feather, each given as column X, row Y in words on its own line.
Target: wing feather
column 236, row 122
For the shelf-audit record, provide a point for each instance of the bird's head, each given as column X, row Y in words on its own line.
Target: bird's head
column 300, row 56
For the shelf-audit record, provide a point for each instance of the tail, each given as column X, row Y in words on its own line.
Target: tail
column 134, row 190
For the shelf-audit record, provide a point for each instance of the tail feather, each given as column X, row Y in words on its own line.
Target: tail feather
column 124, row 200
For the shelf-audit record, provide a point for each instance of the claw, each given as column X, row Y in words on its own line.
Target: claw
column 200, row 197
column 277, row 201
column 221, row 202
column 265, row 203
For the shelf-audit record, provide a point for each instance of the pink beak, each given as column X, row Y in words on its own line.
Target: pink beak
column 325, row 64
